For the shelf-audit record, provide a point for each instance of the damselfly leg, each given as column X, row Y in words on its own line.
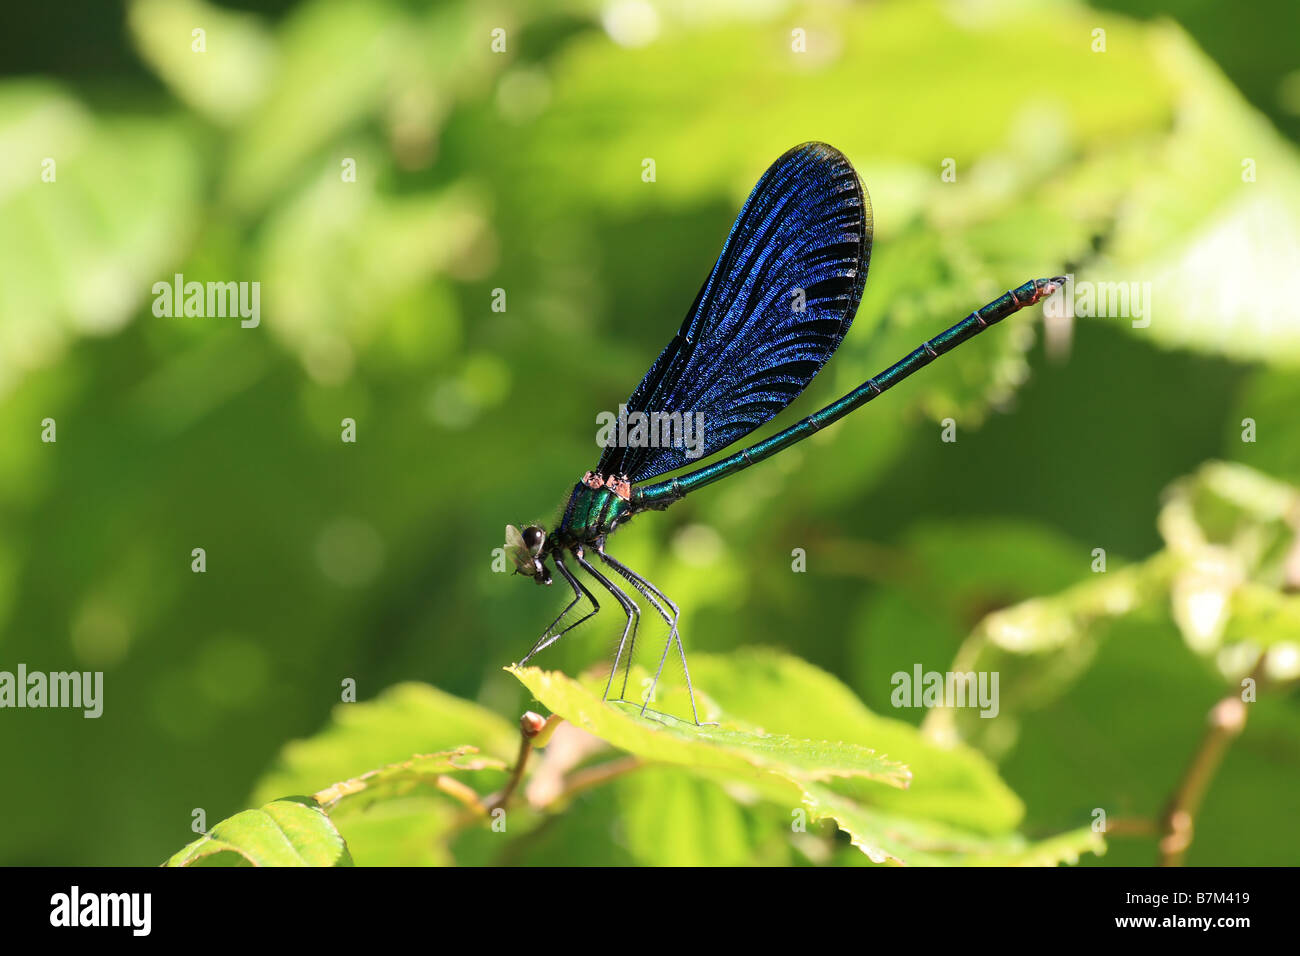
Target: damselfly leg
column 633, row 620
column 632, row 612
column 654, row 595
column 579, row 591
column 670, row 621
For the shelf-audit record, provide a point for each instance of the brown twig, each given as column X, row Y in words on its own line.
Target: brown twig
column 1178, row 823
column 530, row 725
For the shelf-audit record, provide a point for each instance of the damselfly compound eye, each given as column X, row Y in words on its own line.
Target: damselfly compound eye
column 534, row 537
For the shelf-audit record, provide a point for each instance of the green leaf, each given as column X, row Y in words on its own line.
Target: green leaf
column 404, row 719
column 731, row 747
column 399, row 815
column 799, row 696
column 294, row 831
column 949, row 782
column 405, row 775
column 668, row 817
column 890, row 838
column 402, row 831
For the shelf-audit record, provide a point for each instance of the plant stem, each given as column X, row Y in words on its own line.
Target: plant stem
column 1226, row 720
column 530, row 725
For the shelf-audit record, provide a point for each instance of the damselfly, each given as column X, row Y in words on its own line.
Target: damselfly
column 775, row 307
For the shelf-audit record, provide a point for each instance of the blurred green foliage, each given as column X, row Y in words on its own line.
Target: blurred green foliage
column 521, row 171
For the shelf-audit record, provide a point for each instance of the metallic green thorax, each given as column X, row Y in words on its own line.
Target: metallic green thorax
column 590, row 514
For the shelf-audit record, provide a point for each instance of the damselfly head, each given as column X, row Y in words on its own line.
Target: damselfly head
column 524, row 548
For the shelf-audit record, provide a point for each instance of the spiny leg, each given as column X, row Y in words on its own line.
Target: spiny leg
column 579, row 589
column 643, row 588
column 646, row 588
column 577, row 596
column 629, row 608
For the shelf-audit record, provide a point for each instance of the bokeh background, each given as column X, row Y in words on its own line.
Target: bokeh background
column 1169, row 157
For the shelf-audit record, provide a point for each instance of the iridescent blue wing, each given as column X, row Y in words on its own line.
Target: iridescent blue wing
column 775, row 307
